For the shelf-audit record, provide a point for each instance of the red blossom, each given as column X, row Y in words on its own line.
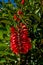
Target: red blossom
column 22, row 2
column 20, row 43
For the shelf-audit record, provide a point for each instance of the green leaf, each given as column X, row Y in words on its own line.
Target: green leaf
column 2, row 60
column 35, row 27
column 1, row 34
column 33, row 44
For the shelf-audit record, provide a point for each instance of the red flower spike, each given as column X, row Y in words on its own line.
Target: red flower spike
column 22, row 2
column 19, row 41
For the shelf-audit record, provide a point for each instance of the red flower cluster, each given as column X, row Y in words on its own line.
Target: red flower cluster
column 19, row 12
column 19, row 41
column 22, row 2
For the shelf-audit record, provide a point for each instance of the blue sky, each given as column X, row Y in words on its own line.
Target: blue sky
column 12, row 1
column 7, row 1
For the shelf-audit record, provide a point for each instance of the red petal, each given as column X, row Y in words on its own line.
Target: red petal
column 15, row 17
column 18, row 19
column 22, row 2
column 19, row 12
column 16, row 51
